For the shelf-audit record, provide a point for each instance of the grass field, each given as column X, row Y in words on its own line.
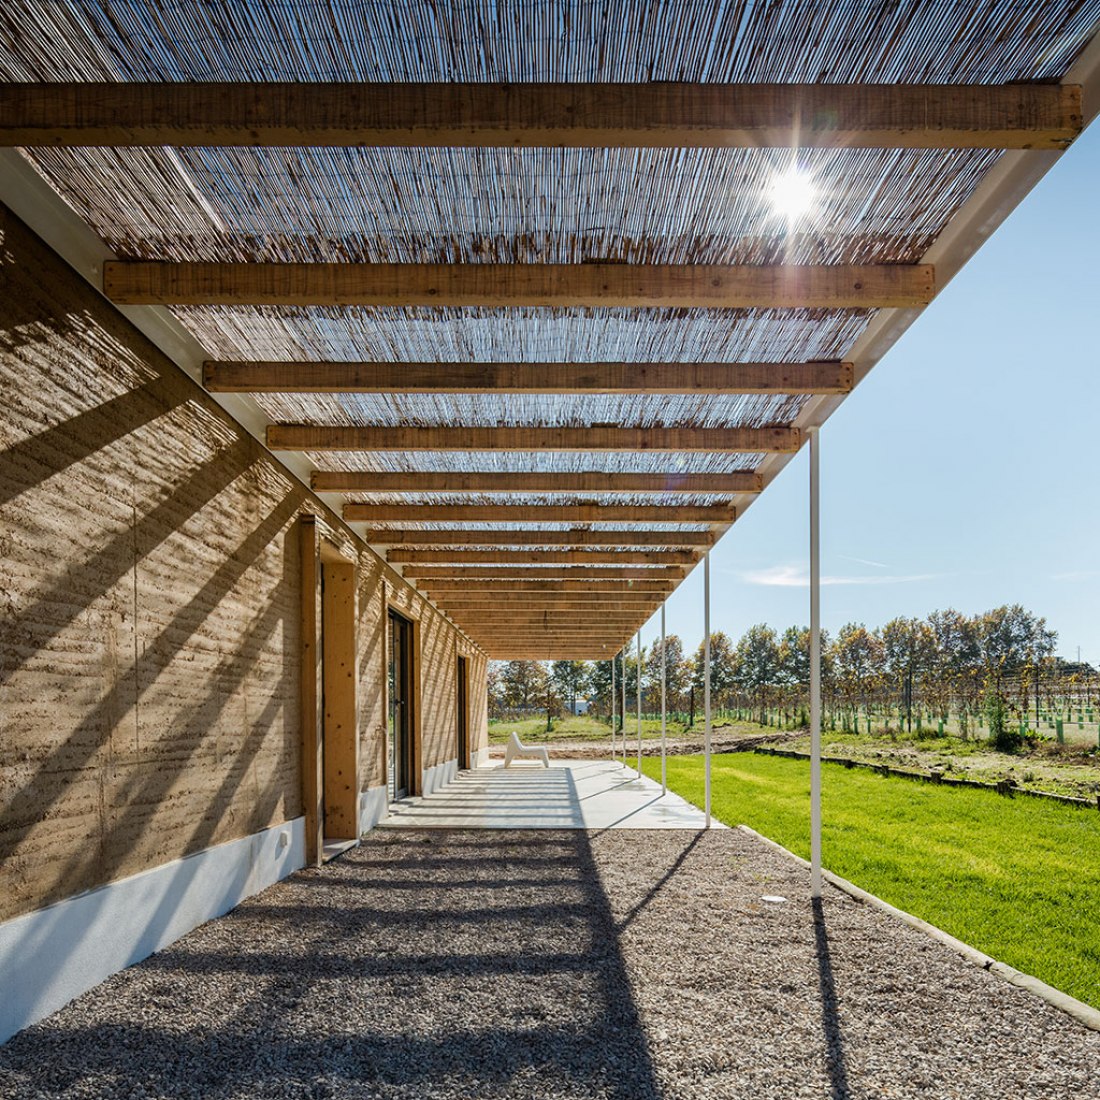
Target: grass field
column 584, row 728
column 1016, row 878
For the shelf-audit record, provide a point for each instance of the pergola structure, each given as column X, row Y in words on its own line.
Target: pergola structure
column 537, row 296
column 545, row 326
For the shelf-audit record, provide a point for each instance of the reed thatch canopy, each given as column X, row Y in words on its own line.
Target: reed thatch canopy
column 626, row 404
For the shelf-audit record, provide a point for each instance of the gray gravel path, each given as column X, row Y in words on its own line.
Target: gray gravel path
column 553, row 964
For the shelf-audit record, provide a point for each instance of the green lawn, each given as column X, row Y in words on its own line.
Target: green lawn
column 585, row 728
column 1016, row 878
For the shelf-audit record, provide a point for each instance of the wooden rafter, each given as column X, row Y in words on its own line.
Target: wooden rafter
column 658, row 115
column 494, row 573
column 666, row 378
column 536, row 557
column 321, row 437
column 534, row 481
column 616, row 583
column 538, row 513
column 671, row 537
column 644, row 602
column 581, row 286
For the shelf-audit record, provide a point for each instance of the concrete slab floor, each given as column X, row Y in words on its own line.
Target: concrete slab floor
column 570, row 794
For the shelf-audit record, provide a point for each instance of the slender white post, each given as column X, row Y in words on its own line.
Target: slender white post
column 624, row 652
column 639, row 687
column 706, row 675
column 664, row 706
column 815, row 663
column 613, row 753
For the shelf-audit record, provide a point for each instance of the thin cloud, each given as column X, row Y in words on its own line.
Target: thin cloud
column 1076, row 575
column 865, row 561
column 793, row 576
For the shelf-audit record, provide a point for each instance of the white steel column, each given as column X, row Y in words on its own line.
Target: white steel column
column 639, row 687
column 614, row 755
column 664, row 706
column 625, row 651
column 706, row 675
column 815, row 663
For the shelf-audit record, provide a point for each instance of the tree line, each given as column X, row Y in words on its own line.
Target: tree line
column 999, row 664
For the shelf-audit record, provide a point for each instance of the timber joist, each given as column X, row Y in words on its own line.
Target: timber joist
column 539, row 557
column 613, row 378
column 534, row 481
column 654, row 115
column 536, row 285
column 672, row 537
column 430, row 576
column 720, row 514
column 354, row 437
column 504, row 587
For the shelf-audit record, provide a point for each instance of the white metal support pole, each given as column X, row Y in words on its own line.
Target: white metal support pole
column 664, row 706
column 623, row 715
column 639, row 687
column 706, row 676
column 613, row 753
column 815, row 662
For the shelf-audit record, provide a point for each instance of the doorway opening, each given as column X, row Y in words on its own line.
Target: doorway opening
column 462, row 714
column 399, row 732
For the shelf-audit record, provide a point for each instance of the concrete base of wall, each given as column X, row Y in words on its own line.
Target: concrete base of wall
column 53, row 955
column 438, row 776
column 480, row 758
column 374, row 804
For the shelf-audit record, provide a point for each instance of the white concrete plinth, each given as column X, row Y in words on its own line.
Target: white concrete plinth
column 570, row 794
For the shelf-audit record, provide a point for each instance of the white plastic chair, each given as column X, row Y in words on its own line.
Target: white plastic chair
column 517, row 750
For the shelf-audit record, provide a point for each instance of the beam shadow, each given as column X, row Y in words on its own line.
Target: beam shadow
column 501, row 986
column 836, row 1063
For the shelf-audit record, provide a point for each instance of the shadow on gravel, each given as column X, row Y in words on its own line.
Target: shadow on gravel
column 499, row 976
column 830, row 1018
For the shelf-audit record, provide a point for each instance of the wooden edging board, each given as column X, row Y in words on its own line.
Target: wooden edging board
column 1005, row 787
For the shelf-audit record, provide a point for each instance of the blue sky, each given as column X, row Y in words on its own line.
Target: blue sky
column 964, row 470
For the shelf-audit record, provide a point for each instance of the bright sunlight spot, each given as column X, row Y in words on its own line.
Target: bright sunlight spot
column 792, row 194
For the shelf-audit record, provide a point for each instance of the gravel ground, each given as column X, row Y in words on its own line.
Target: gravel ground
column 553, row 964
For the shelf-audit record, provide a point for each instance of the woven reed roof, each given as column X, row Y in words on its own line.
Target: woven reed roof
column 499, row 205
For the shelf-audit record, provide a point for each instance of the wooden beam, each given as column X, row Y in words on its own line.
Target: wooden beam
column 429, row 576
column 670, row 378
column 644, row 602
column 539, row 513
column 541, row 538
column 490, row 481
column 318, row 437
column 540, row 557
column 657, row 115
column 504, row 587
column 566, row 286
column 551, row 618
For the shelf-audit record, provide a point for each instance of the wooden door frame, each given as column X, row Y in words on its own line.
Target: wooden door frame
column 310, row 696
column 462, row 711
column 341, row 779
column 414, row 781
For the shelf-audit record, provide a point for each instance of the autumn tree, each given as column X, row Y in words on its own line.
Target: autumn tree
column 722, row 669
column 677, row 671
column 757, row 665
column 857, row 659
column 570, row 678
column 522, row 684
column 907, row 652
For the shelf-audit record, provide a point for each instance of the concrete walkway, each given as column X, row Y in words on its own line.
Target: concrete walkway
column 570, row 794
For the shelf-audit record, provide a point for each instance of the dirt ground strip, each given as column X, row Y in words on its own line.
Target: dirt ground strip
column 554, row 964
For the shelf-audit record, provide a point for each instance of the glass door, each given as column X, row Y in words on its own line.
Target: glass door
column 399, row 732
